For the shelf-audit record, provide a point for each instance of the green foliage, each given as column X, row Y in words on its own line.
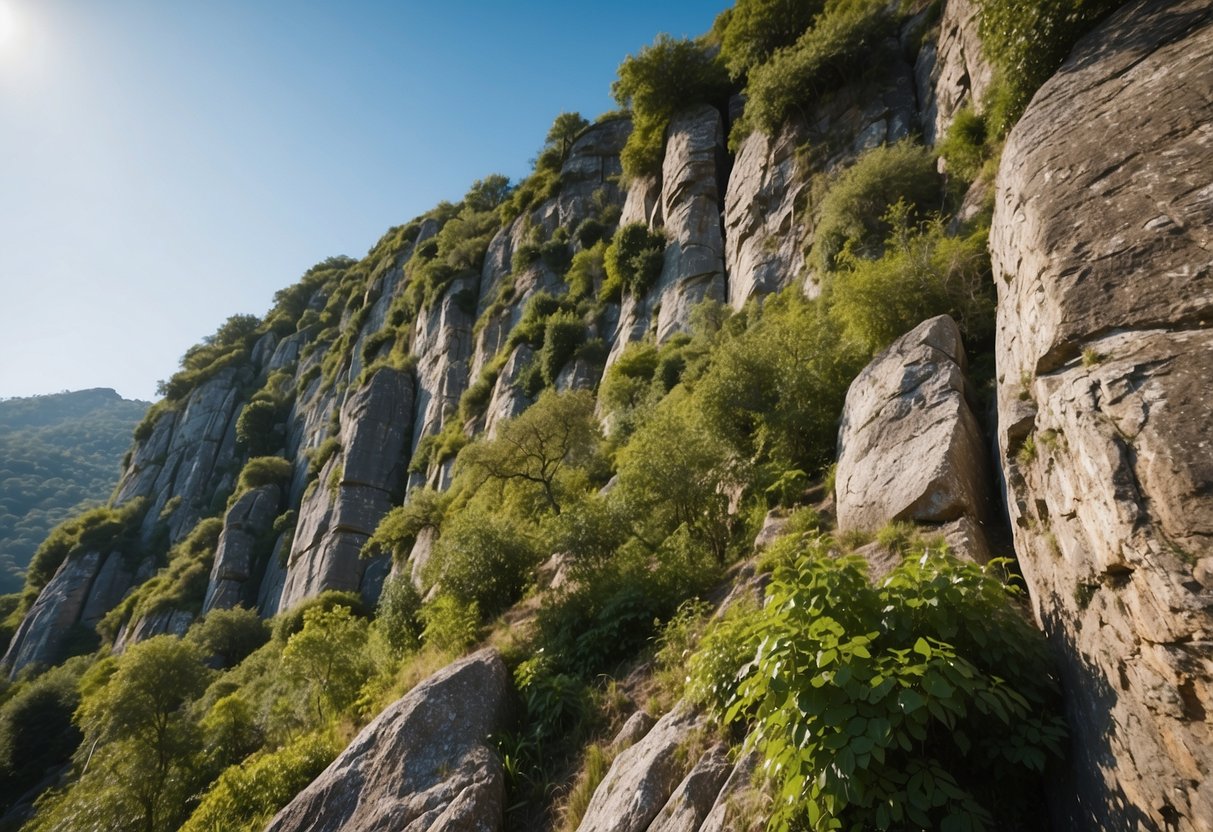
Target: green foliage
column 458, row 249
column 633, row 260
column 488, row 193
column 398, row 615
column 264, row 470
column 842, row 44
column 754, row 29
column 1027, row 40
column 438, row 447
column 661, row 79
column 922, row 273
column 854, row 214
column 450, row 626
column 398, row 529
column 563, row 333
column 563, row 132
column 626, row 382
column 326, row 658
column 255, row 427
column 58, row 454
column 319, row 456
column 230, row 346
column 587, row 272
column 926, row 700
column 483, row 559
column 964, row 148
column 229, row 636
column 36, row 729
column 246, row 797
column 774, row 391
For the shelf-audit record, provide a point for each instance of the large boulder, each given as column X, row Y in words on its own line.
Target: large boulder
column 910, row 447
column 1102, row 254
column 423, row 764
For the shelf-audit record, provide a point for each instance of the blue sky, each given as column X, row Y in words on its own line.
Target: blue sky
column 167, row 163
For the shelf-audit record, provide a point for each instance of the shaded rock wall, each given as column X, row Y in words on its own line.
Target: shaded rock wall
column 1102, row 255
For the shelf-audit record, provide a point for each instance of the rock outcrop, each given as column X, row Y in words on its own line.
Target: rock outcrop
column 246, row 524
column 951, row 71
column 423, row 764
column 1102, row 255
column 910, row 447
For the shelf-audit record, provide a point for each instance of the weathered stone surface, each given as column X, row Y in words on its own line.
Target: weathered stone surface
column 642, row 777
column 690, row 803
column 910, row 447
column 738, row 807
column 951, row 72
column 38, row 639
column 1101, row 247
column 633, row 730
column 170, row 622
column 692, row 174
column 508, row 400
column 423, row 764
column 763, row 230
column 773, row 525
column 355, row 489
column 248, row 520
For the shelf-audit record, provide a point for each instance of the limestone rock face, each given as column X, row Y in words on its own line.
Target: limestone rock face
column 38, row 639
column 763, row 230
column 951, row 72
column 423, row 764
column 910, row 447
column 692, row 175
column 355, row 489
column 1101, row 246
column 642, row 778
column 248, row 520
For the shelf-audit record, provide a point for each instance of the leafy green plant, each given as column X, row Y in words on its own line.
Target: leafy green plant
column 964, row 148
column 563, row 333
column 754, row 29
column 481, row 559
column 633, row 260
column 903, row 703
column 325, row 658
column 264, row 470
column 450, row 625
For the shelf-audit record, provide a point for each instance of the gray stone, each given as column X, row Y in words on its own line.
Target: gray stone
column 690, row 803
column 910, row 447
column 248, row 520
column 39, row 637
column 739, row 806
column 423, row 764
column 642, row 778
column 1101, row 248
column 952, row 72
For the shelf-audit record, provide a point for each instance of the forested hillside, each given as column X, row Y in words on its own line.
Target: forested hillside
column 817, row 442
column 59, row 454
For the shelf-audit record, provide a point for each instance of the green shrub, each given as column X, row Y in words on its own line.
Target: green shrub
column 754, row 29
column 840, row 47
column 287, row 623
column 1027, row 40
column 255, row 427
column 589, row 232
column 563, row 333
column 36, row 730
column 964, row 146
column 854, row 213
column 228, row 636
column 450, row 626
column 265, row 470
column 627, row 381
column 246, row 797
column 668, row 76
column 926, row 700
column 923, row 273
column 100, row 529
column 398, row 529
column 398, row 615
column 633, row 260
column 587, row 271
column 319, row 456
column 482, row 559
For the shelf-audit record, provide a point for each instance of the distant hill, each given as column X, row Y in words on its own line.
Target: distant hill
column 58, row 454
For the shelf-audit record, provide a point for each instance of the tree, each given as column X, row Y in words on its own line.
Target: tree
column 486, row 194
column 563, row 133
column 756, row 28
column 554, row 434
column 325, row 657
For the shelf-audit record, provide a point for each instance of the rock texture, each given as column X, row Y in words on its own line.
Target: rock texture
column 910, row 447
column 951, row 71
column 642, row 778
column 1102, row 254
column 421, row 765
column 245, row 526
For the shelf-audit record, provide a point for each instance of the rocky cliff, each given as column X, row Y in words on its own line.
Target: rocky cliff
column 369, row 376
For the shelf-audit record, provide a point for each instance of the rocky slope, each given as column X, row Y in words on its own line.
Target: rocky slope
column 1101, row 254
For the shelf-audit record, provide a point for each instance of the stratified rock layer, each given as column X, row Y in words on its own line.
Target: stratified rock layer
column 423, row 764
column 910, row 447
column 1103, row 254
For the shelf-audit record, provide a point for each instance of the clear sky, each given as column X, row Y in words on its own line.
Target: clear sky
column 167, row 163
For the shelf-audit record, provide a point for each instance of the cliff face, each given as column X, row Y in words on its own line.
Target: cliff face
column 1100, row 247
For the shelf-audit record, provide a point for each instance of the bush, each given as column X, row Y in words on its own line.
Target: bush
column 228, row 636
column 563, row 333
column 587, row 272
column 398, row 529
column 265, row 470
column 482, row 559
column 839, row 48
column 854, row 213
column 326, row 658
column 36, row 730
column 1027, row 40
column 964, row 146
column 633, row 260
column 754, row 29
column 927, row 698
column 450, row 626
column 101, row 529
column 398, row 615
column 923, row 273
column 255, row 427
column 286, row 624
column 589, row 232
column 668, row 76
column 246, row 797
column 319, row 456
